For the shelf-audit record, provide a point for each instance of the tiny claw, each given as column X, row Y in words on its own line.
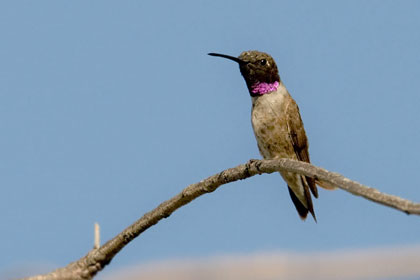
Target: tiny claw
column 256, row 163
column 253, row 160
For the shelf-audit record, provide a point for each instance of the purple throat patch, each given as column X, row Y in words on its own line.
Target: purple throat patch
column 263, row 88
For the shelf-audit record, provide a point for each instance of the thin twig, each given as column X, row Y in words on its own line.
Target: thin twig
column 97, row 237
column 97, row 259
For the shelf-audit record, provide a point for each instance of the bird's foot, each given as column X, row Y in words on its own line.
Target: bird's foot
column 256, row 163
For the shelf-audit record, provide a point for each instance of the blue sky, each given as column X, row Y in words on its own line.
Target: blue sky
column 108, row 108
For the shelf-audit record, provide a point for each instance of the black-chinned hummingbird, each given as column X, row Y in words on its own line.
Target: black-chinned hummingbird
column 277, row 123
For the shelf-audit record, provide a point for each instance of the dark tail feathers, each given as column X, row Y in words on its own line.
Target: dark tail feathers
column 302, row 210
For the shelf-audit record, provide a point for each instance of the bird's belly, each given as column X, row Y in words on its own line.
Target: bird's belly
column 272, row 135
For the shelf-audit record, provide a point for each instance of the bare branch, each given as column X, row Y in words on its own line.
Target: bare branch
column 97, row 259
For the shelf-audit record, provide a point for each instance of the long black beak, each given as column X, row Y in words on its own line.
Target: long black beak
column 229, row 57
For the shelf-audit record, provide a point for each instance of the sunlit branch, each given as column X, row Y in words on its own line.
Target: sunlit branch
column 97, row 259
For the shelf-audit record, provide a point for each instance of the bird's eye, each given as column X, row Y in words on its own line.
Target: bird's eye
column 263, row 62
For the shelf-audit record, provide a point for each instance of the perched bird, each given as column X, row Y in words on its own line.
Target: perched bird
column 277, row 124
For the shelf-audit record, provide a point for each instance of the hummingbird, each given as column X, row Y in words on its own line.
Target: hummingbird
column 277, row 123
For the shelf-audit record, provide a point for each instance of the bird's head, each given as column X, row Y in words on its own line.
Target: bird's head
column 258, row 69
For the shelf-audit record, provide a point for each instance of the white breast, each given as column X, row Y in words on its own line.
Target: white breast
column 269, row 123
column 268, row 105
